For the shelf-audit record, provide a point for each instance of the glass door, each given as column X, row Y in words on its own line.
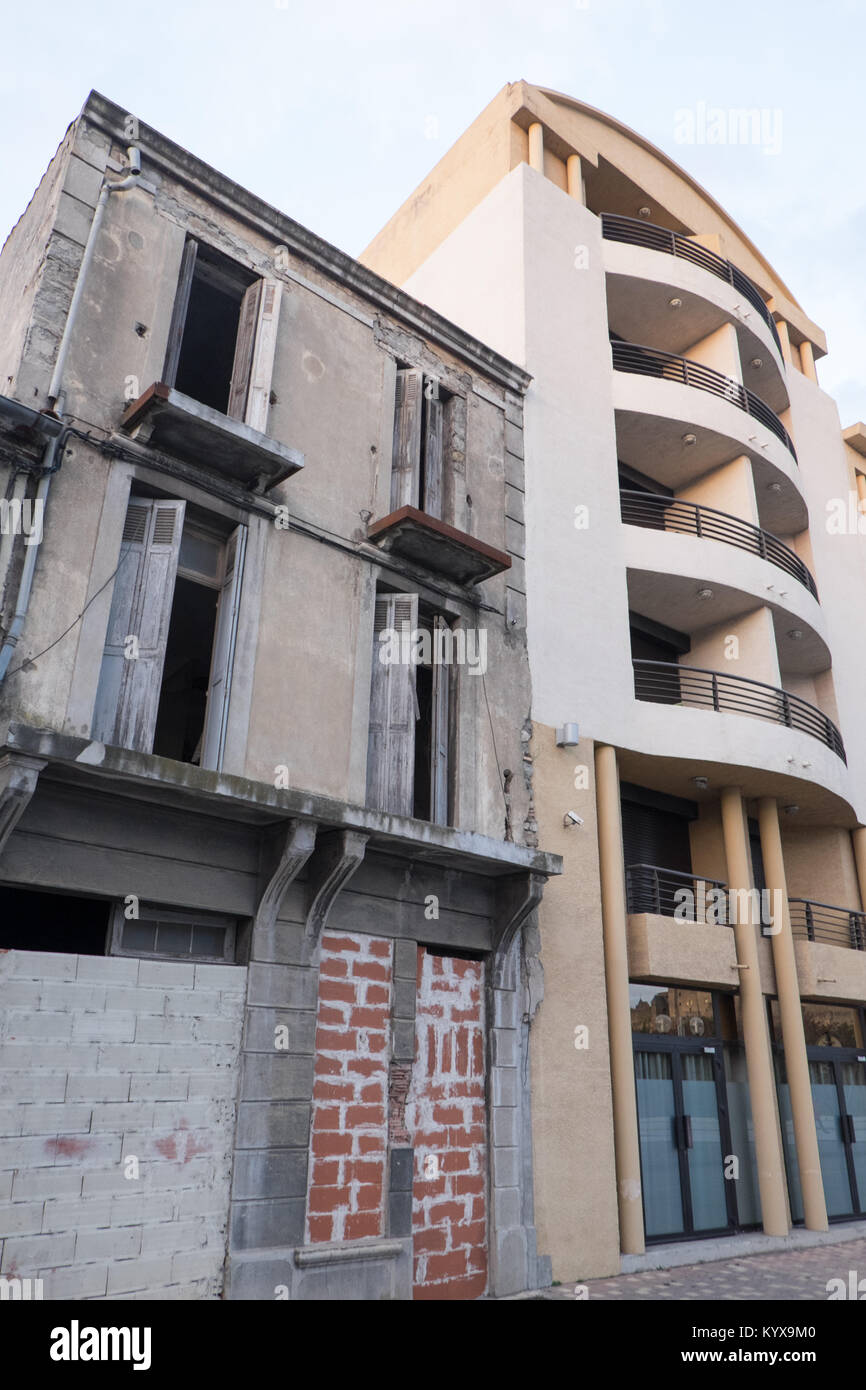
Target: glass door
column 832, row 1138
column 853, row 1079
column 680, row 1130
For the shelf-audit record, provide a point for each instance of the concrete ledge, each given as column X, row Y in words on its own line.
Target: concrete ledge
column 372, row 1271
column 695, row 1252
column 339, row 1254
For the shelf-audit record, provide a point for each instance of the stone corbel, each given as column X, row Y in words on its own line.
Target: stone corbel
column 516, row 897
column 337, row 857
column 297, row 845
column 18, row 778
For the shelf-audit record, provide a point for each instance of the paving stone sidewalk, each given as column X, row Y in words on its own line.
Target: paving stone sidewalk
column 790, row 1275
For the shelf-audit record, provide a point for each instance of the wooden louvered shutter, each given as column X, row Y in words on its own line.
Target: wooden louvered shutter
column 222, row 661
column 262, row 370
column 406, row 459
column 179, row 311
column 434, row 408
column 393, row 712
column 128, row 694
column 242, row 366
column 439, row 739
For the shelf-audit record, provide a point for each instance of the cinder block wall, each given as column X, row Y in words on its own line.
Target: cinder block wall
column 104, row 1060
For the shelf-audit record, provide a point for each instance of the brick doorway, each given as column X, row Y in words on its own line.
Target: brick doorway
column 446, row 1118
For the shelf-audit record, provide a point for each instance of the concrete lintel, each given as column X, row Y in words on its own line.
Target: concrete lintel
column 333, row 863
column 18, row 777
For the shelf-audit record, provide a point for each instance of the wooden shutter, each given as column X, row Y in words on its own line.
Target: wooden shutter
column 393, row 712
column 222, row 661
column 242, row 366
column 128, row 694
column 406, row 459
column 431, row 502
column 259, row 398
column 439, row 739
column 178, row 313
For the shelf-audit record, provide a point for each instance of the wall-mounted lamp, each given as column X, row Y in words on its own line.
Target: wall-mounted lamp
column 690, row 439
column 567, row 736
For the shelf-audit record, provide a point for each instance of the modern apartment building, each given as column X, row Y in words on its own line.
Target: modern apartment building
column 696, row 571
column 268, row 854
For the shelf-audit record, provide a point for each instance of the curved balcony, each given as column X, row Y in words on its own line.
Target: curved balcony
column 646, row 234
column 691, row 519
column 834, row 926
column 646, row 361
column 667, row 683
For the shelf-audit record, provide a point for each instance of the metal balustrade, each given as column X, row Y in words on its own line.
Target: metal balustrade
column 652, row 888
column 668, row 683
column 688, row 518
column 646, row 361
column 639, row 233
column 835, row 926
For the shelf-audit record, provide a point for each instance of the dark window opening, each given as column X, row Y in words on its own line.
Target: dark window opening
column 207, row 349
column 423, row 742
column 36, row 921
column 182, row 709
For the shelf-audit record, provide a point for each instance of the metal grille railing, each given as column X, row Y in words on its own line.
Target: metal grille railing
column 835, row 926
column 690, row 519
column 637, row 233
column 669, row 893
column 668, row 683
column 646, row 361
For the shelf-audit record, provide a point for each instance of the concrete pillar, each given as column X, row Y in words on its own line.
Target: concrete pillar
column 613, row 916
column 793, row 1036
column 807, row 360
column 574, row 174
column 858, row 838
column 784, row 339
column 759, row 1060
column 861, row 507
column 536, row 146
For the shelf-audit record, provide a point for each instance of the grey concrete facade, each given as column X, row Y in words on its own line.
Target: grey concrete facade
column 268, row 824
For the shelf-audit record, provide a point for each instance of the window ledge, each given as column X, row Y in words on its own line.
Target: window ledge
column 195, row 432
column 428, row 541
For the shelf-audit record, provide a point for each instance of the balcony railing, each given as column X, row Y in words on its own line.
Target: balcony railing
column 689, row 519
column 667, row 683
column 669, row 893
column 647, row 361
column 616, row 228
column 835, row 926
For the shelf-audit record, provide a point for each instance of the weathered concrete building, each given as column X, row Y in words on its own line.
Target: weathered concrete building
column 268, row 862
column 696, row 571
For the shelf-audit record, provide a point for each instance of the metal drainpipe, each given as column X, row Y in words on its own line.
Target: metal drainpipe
column 56, row 398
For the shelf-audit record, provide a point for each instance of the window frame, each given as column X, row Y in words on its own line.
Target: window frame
column 149, row 911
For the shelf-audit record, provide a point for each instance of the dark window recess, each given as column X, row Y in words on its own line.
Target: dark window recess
column 656, row 837
column 33, row 921
column 212, row 330
column 183, row 695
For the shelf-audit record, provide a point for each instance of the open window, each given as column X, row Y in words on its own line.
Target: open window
column 223, row 334
column 410, row 710
column 165, row 681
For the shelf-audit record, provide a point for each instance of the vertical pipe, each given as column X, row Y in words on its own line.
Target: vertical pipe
column 788, row 989
column 536, row 146
column 759, row 1060
column 613, row 916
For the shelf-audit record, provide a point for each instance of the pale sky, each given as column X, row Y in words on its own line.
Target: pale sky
column 334, row 111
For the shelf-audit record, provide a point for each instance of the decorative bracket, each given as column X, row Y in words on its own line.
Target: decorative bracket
column 297, row 846
column 516, row 897
column 18, row 778
column 336, row 859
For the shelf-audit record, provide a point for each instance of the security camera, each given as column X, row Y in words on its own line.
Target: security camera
column 572, row 818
